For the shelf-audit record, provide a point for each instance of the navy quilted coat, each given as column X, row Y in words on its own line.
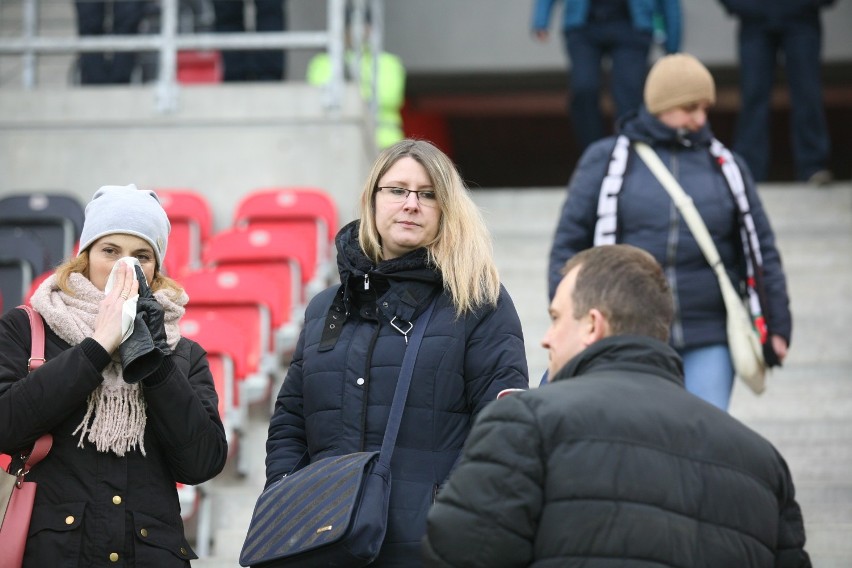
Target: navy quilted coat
column 340, row 385
column 648, row 219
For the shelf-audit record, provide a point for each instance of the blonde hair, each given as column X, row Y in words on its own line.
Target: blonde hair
column 462, row 250
column 80, row 264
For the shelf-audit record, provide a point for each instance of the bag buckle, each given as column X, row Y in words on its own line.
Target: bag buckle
column 19, row 481
column 399, row 329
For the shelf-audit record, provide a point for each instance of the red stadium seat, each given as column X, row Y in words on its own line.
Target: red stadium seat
column 275, row 252
column 227, row 344
column 197, row 66
column 299, row 209
column 192, row 222
column 261, row 297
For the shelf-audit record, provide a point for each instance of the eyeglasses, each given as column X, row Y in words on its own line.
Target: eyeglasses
column 426, row 198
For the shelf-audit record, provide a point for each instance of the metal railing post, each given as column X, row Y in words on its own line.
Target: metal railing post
column 376, row 46
column 336, row 52
column 28, row 57
column 167, row 43
column 167, row 74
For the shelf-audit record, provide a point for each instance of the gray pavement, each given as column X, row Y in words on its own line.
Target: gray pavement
column 807, row 408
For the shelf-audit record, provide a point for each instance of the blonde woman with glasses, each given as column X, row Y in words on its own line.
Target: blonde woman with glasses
column 420, row 236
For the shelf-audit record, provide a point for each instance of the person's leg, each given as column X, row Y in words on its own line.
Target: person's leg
column 90, row 22
column 802, row 43
column 269, row 17
column 709, row 374
column 757, row 52
column 229, row 18
column 629, row 51
column 585, row 85
column 126, row 17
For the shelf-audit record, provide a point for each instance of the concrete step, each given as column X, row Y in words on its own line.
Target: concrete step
column 806, row 411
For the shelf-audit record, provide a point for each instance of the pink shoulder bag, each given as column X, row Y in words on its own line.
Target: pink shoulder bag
column 16, row 495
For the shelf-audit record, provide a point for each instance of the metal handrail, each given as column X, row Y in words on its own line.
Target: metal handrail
column 167, row 43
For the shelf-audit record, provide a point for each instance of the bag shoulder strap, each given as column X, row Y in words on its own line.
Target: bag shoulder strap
column 40, row 450
column 687, row 209
column 37, row 332
column 404, row 381
column 45, row 442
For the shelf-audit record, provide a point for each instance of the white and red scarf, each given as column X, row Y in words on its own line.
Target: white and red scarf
column 606, row 227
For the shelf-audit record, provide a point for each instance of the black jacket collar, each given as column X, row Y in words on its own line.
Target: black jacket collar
column 626, row 353
column 643, row 126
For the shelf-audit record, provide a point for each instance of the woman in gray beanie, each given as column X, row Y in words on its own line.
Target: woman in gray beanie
column 614, row 198
column 121, row 439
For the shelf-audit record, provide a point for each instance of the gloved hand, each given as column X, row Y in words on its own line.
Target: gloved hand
column 154, row 312
column 143, row 352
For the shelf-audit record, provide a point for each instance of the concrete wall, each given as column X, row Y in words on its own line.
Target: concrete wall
column 441, row 36
column 223, row 140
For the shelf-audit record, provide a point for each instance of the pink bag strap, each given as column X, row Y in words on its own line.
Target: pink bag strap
column 37, row 332
column 40, row 450
column 45, row 442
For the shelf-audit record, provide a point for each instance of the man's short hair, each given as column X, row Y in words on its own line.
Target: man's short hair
column 627, row 285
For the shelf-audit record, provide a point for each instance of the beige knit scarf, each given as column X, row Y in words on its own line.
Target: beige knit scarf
column 116, row 414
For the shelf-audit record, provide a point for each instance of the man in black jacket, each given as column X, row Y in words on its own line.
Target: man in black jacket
column 615, row 463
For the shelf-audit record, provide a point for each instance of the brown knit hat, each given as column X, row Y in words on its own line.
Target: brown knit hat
column 678, row 80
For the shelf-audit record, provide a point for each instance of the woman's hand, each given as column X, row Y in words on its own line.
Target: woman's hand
column 107, row 330
column 779, row 345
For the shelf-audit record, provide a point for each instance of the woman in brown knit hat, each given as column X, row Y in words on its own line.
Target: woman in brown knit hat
column 614, row 198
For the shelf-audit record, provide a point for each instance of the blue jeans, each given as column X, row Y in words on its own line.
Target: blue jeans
column 627, row 48
column 800, row 41
column 709, row 373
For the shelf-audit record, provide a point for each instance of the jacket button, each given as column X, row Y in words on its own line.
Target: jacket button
column 69, row 520
column 116, row 500
column 113, row 557
column 143, row 532
column 360, row 381
column 183, row 551
column 384, row 304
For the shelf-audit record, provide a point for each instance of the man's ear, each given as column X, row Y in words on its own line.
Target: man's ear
column 598, row 326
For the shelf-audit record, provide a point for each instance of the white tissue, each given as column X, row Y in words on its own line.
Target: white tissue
column 128, row 311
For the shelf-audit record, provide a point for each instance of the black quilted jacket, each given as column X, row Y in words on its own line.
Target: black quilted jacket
column 615, row 464
column 92, row 505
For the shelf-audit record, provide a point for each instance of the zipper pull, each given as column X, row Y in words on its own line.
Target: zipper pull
column 366, row 282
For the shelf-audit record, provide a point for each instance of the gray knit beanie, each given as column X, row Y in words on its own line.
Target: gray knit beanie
column 126, row 209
